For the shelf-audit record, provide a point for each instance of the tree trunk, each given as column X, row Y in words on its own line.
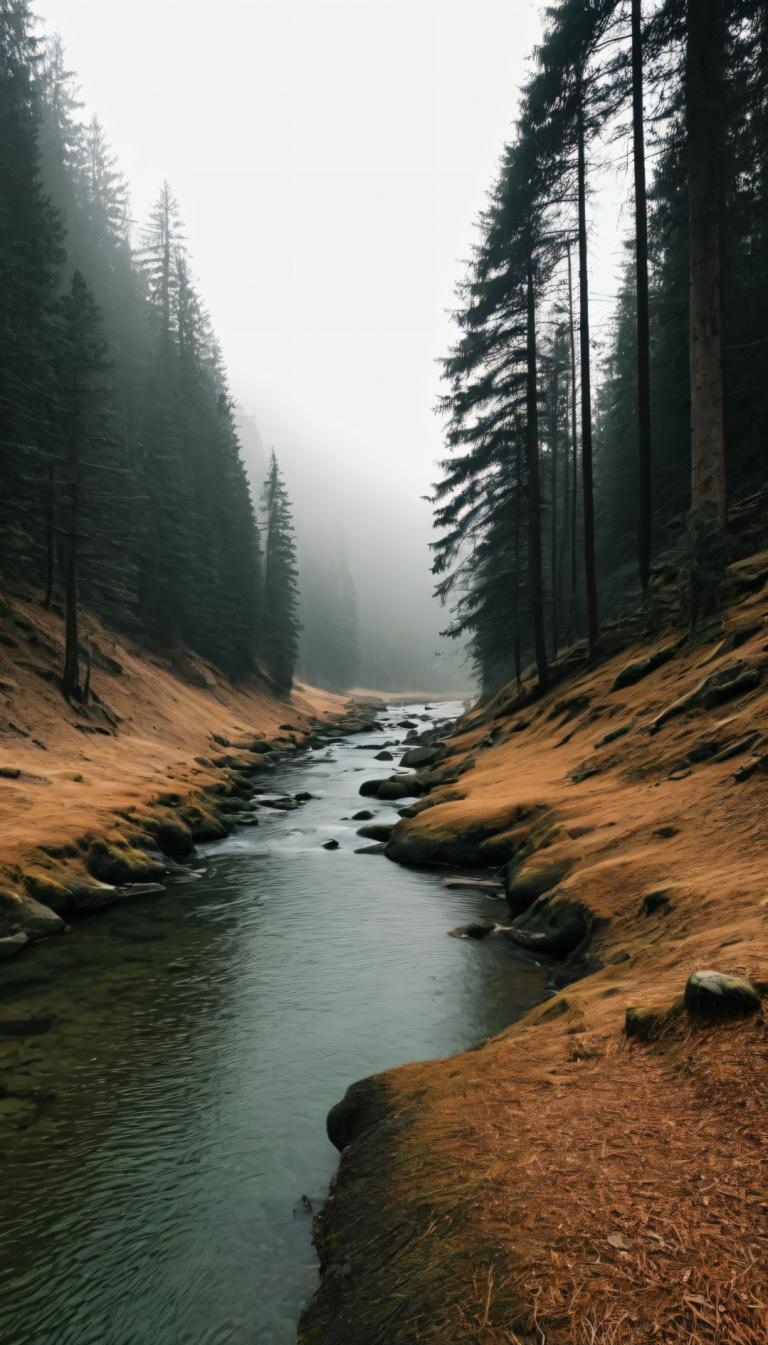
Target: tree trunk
column 71, row 679
column 645, row 514
column 572, row 608
column 553, row 435
column 516, row 597
column 704, row 76
column 50, row 541
column 534, row 490
column 586, row 390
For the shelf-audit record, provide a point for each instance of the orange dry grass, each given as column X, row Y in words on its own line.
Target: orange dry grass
column 72, row 781
column 562, row 1186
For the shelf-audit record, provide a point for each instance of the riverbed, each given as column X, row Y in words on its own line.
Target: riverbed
column 167, row 1066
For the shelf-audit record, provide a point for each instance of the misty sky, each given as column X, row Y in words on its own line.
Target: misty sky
column 330, row 157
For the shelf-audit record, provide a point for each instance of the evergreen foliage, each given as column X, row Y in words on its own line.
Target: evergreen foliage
column 510, row 405
column 281, row 587
column 122, row 477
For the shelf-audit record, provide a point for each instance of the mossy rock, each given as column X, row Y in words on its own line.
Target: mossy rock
column 121, row 864
column 205, row 824
column 24, row 915
column 635, row 672
column 376, row 831
column 523, row 884
column 47, row 890
column 400, row 787
column 715, row 994
column 554, row 925
column 646, row 1022
column 11, row 944
column 171, row 835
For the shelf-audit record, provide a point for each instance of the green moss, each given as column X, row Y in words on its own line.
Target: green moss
column 118, row 863
column 47, row 890
column 204, row 823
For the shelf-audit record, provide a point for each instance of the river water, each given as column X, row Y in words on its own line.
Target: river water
column 168, row 1065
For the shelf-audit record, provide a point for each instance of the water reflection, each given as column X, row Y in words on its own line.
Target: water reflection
column 167, row 1068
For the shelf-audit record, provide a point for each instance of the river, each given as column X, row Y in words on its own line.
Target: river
column 168, row 1065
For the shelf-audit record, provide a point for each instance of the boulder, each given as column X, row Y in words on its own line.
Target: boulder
column 400, row 787
column 422, row 756
column 331, row 845
column 11, row 944
column 553, row 925
column 714, row 994
column 524, row 883
column 370, row 788
column 377, row 831
column 473, row 931
column 384, row 756
column 23, row 915
column 371, row 849
column 364, row 815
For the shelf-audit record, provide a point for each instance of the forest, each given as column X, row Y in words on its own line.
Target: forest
column 571, row 482
column 124, row 488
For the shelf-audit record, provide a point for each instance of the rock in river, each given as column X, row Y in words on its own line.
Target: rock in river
column 377, row 831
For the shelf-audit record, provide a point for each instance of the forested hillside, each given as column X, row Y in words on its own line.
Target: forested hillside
column 123, row 486
column 566, row 483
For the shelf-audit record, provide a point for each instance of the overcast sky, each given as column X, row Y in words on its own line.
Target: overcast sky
column 330, row 157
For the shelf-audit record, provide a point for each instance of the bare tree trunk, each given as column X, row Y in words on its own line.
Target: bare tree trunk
column 645, row 506
column 704, row 76
column 593, row 628
column 50, row 541
column 572, row 607
column 516, row 596
column 534, row 489
column 553, row 435
column 71, row 678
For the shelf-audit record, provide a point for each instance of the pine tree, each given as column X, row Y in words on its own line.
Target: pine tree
column 280, row 582
column 704, row 107
column 30, row 253
column 83, row 416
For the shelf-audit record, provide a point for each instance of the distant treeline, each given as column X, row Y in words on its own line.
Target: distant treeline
column 122, row 482
column 553, row 497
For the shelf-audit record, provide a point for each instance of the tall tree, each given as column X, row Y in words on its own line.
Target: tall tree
column 590, row 561
column 534, row 485
column 704, row 107
column 83, row 413
column 281, row 582
column 645, row 504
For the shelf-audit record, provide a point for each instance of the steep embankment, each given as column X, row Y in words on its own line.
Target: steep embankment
column 599, row 1171
column 109, row 794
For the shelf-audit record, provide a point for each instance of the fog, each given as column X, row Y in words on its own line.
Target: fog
column 330, row 158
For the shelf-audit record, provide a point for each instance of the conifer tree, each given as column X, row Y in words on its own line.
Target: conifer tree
column 82, row 402
column 280, row 582
column 30, row 253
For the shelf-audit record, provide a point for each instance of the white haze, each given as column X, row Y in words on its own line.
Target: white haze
column 330, row 158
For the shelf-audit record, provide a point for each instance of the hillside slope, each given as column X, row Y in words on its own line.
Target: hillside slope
column 599, row 1171
column 85, row 790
